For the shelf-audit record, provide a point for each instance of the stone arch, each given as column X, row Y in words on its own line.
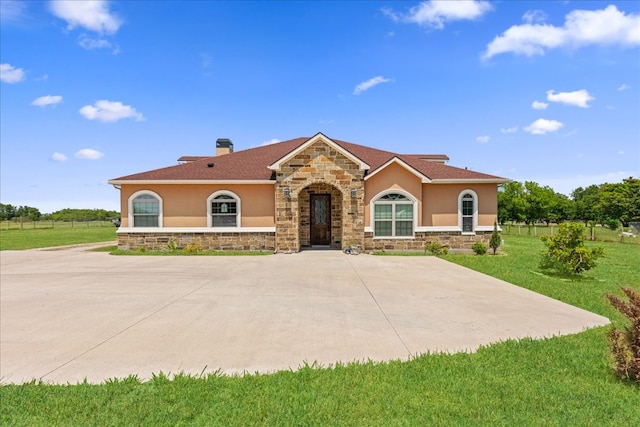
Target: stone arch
column 304, row 196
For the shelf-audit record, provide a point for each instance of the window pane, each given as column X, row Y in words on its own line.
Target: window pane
column 404, row 228
column 224, row 220
column 224, row 208
column 404, row 211
column 383, row 212
column 383, row 228
column 145, row 220
column 467, row 207
column 393, row 197
column 467, row 223
column 151, row 207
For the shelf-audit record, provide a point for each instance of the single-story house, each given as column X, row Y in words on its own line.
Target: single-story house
column 305, row 193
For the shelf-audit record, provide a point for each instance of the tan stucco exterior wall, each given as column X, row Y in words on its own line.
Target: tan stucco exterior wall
column 392, row 177
column 440, row 203
column 186, row 205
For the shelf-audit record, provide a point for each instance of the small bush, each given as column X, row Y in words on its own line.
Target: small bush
column 172, row 245
column 566, row 251
column 436, row 248
column 193, row 248
column 495, row 241
column 612, row 224
column 625, row 345
column 479, row 248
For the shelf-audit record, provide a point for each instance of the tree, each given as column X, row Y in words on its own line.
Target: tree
column 587, row 201
column 7, row 211
column 28, row 212
column 625, row 345
column 566, row 251
column 511, row 202
column 539, row 202
column 494, row 242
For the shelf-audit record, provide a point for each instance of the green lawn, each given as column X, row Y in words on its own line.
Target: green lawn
column 60, row 235
column 560, row 381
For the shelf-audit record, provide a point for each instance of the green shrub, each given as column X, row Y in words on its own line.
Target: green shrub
column 193, row 248
column 495, row 241
column 612, row 224
column 479, row 248
column 625, row 346
column 566, row 252
column 436, row 248
column 172, row 245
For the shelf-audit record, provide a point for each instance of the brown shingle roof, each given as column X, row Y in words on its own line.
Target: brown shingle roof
column 252, row 165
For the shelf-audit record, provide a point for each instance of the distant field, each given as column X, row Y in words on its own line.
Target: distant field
column 34, row 235
column 602, row 234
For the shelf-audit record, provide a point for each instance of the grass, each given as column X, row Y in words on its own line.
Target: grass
column 30, row 238
column 561, row 381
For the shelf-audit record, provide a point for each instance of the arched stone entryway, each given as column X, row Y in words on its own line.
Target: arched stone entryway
column 320, row 216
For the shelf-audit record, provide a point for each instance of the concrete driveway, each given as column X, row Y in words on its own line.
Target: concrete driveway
column 72, row 314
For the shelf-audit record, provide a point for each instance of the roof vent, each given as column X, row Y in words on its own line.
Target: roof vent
column 209, row 165
column 223, row 146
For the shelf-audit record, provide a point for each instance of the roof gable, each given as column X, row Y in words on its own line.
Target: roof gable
column 319, row 137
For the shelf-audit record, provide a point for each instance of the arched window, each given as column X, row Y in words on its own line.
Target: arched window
column 145, row 209
column 468, row 211
column 393, row 215
column 223, row 208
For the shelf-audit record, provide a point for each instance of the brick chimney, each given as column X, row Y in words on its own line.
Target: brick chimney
column 223, row 146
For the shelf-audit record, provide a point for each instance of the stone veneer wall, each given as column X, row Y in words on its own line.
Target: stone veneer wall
column 318, row 164
column 228, row 241
column 452, row 240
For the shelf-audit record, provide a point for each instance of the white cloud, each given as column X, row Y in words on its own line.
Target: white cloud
column 538, row 105
column 509, row 130
column 624, row 86
column 531, row 16
column 579, row 98
column 59, row 157
column 369, row 84
column 434, row 14
column 110, row 111
column 269, row 142
column 12, row 10
column 542, row 126
column 89, row 154
column 607, row 26
column 43, row 101
column 483, row 139
column 11, row 74
column 88, row 43
column 92, row 15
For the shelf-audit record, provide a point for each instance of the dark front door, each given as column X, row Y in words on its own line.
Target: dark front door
column 320, row 219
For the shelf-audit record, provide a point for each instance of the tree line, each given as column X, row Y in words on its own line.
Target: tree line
column 29, row 213
column 605, row 204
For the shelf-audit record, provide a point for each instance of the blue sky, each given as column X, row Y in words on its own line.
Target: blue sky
column 89, row 91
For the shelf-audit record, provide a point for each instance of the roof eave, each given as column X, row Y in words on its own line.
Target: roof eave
column 189, row 181
column 470, row 181
column 423, row 178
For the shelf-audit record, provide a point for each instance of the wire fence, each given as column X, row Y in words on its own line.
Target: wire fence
column 25, row 224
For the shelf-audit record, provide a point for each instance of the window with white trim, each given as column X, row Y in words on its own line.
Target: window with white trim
column 468, row 211
column 393, row 216
column 224, row 209
column 146, row 210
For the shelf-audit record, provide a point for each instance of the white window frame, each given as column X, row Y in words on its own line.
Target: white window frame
column 238, row 209
column 130, row 207
column 372, row 213
column 474, row 221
